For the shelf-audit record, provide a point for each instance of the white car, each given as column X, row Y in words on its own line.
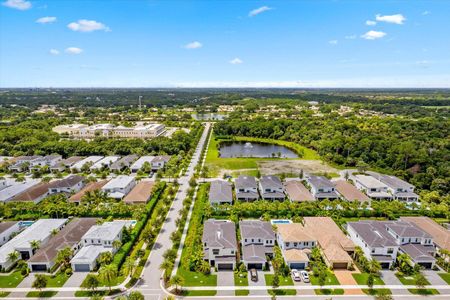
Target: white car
column 305, row 276
column 296, row 275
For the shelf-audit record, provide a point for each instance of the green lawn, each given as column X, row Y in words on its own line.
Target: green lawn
column 329, row 291
column 198, row 293
column 58, row 280
column 98, row 293
column 197, row 279
column 423, row 291
column 11, row 281
column 445, row 276
column 408, row 280
column 46, row 294
column 281, row 292
column 362, row 279
column 241, row 292
column 240, row 281
column 102, row 283
column 331, row 280
column 283, row 280
column 377, row 292
column 4, row 294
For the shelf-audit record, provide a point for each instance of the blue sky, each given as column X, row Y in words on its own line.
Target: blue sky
column 134, row 43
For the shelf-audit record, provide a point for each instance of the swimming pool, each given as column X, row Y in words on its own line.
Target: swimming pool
column 25, row 223
column 280, row 221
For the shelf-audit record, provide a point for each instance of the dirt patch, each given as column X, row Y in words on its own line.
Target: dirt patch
column 270, row 167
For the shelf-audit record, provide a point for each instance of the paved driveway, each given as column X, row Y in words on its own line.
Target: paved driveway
column 345, row 278
column 27, row 282
column 225, row 278
column 261, row 282
column 435, row 279
column 389, row 278
column 303, row 292
column 74, row 281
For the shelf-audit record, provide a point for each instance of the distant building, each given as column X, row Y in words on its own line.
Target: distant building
column 400, row 189
column 83, row 131
column 138, row 164
column 297, row 192
column 104, row 162
column 70, row 184
column 88, row 161
column 322, row 188
column 373, row 188
column 141, row 193
column 64, row 164
column 124, row 162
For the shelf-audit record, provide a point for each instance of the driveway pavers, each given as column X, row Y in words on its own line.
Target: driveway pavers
column 303, row 292
column 345, row 278
column 260, row 282
column 75, row 280
column 389, row 278
column 225, row 278
column 434, row 278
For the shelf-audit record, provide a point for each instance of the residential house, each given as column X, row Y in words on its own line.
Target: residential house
column 68, row 185
column 373, row 188
column 439, row 233
column 15, row 188
column 46, row 161
column 220, row 192
column 90, row 187
column 65, row 164
column 40, row 231
column 257, row 241
column 246, row 188
column 138, row 164
column 88, row 161
column 119, row 187
column 297, row 192
column 124, row 162
column 398, row 188
column 335, row 246
column 295, row 243
column 104, row 163
column 322, row 188
column 159, row 162
column 141, row 193
column 7, row 229
column 349, row 192
column 382, row 240
column 34, row 194
column 271, row 188
column 23, row 163
column 68, row 237
column 220, row 244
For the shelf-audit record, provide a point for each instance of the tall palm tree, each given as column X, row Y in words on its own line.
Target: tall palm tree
column 177, row 281
column 35, row 245
column 13, row 256
column 108, row 273
column 116, row 244
column 128, row 266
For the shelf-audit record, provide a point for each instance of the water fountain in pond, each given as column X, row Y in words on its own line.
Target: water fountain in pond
column 248, row 145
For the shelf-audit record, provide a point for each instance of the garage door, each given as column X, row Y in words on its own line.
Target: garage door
column 225, row 266
column 340, row 266
column 426, row 265
column 298, row 266
column 384, row 265
column 255, row 266
column 82, row 268
column 38, row 267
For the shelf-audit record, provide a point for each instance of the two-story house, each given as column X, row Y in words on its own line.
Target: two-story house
column 23, row 163
column 68, row 185
column 257, row 241
column 372, row 187
column 296, row 244
column 48, row 160
column 246, row 188
column 400, row 189
column 220, row 244
column 220, row 192
column 382, row 240
column 271, row 188
column 119, row 187
column 159, row 162
column 322, row 188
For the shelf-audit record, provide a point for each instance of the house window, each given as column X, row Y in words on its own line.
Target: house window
column 390, row 250
column 295, row 244
column 373, row 250
column 245, row 240
column 259, row 240
column 215, row 251
column 287, row 244
column 232, row 251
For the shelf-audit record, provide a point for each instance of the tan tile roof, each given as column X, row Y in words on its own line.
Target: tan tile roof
column 297, row 191
column 292, row 255
column 350, row 192
column 332, row 240
column 441, row 235
column 92, row 186
column 33, row 193
column 294, row 232
column 140, row 193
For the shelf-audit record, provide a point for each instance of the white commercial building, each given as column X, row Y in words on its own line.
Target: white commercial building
column 39, row 231
column 108, row 130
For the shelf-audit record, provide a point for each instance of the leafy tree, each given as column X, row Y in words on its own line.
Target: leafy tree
column 421, row 281
column 135, row 295
column 108, row 273
column 276, row 280
column 92, row 282
column 370, row 281
column 177, row 281
column 39, row 282
column 13, row 256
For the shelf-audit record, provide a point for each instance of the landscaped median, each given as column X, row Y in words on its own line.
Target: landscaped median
column 329, row 280
column 362, row 279
column 241, row 279
column 414, row 280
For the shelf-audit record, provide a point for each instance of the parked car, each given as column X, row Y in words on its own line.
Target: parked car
column 253, row 274
column 305, row 276
column 296, row 275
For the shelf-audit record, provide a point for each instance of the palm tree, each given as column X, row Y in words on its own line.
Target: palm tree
column 13, row 256
column 105, row 258
column 108, row 273
column 128, row 266
column 39, row 282
column 177, row 281
column 54, row 231
column 92, row 282
column 374, row 266
column 35, row 245
column 116, row 244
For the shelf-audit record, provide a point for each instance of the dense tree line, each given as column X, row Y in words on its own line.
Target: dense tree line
column 416, row 150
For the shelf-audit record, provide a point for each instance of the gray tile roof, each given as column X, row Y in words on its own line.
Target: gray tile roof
column 220, row 191
column 256, row 229
column 320, row 181
column 68, row 182
column 373, row 233
column 219, row 233
column 243, row 182
column 254, row 253
column 391, row 181
column 407, row 229
column 270, row 182
column 125, row 161
column 418, row 252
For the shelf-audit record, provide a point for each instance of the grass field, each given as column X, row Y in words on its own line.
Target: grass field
column 424, row 292
column 58, row 280
column 329, row 291
column 197, row 279
column 241, row 292
column 10, row 281
column 445, row 276
column 240, row 281
column 46, row 294
column 377, row 292
column 408, row 280
column 198, row 293
column 282, row 292
column 283, row 280
column 362, row 279
column 96, row 293
column 331, row 280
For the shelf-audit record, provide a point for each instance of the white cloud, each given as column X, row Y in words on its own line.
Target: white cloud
column 236, row 61
column 258, row 11
column 54, row 52
column 333, row 42
column 350, row 37
column 193, row 45
column 371, row 23
column 46, row 20
column 87, row 26
column 426, row 13
column 73, row 50
column 373, row 35
column 394, row 19
column 17, row 4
